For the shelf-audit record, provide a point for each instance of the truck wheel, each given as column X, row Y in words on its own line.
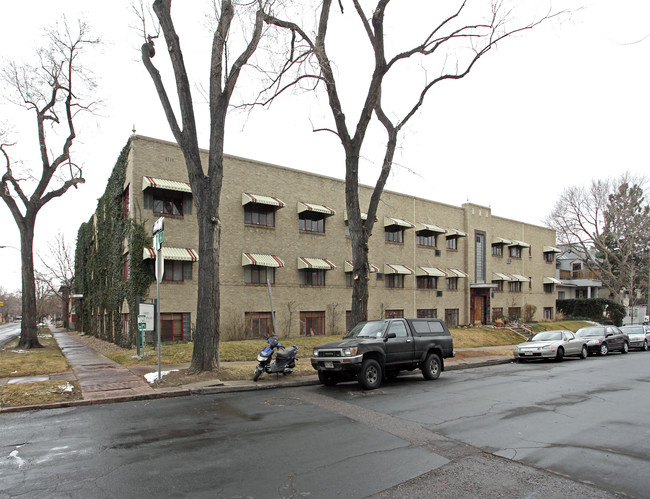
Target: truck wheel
column 370, row 376
column 328, row 379
column 431, row 367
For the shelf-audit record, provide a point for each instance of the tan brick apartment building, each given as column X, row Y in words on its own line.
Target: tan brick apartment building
column 428, row 259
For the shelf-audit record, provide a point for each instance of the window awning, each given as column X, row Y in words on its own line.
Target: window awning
column 390, row 221
column 364, row 216
column 429, row 271
column 430, row 227
column 551, row 249
column 501, row 240
column 455, row 233
column 349, row 268
column 315, row 263
column 520, row 278
column 551, row 280
column 394, row 268
column 519, row 243
column 178, row 254
column 457, row 273
column 170, row 185
column 261, row 260
column 316, row 208
column 498, row 276
column 247, row 197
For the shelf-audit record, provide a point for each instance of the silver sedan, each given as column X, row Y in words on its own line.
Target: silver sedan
column 639, row 336
column 551, row 345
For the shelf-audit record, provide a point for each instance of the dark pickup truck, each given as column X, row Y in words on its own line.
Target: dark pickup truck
column 375, row 350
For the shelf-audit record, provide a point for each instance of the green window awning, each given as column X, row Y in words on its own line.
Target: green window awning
column 348, row 267
column 315, row 263
column 421, row 226
column 501, row 240
column 455, row 233
column 395, row 268
column 247, row 197
column 519, row 277
column 429, row 271
column 178, row 254
column 551, row 280
column 456, row 273
column 498, row 276
column 519, row 243
column 316, row 208
column 551, row 249
column 170, row 185
column 261, row 260
column 390, row 221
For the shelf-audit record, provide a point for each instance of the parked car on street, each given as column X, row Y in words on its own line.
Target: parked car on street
column 604, row 339
column 639, row 336
column 551, row 345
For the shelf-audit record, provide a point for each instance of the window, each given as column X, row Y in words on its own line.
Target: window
column 394, row 314
column 126, row 271
column 427, row 313
column 177, row 271
column 427, row 282
column 399, row 328
column 175, row 327
column 258, row 324
column 514, row 287
column 452, row 243
column 259, row 214
column 451, row 317
column 311, row 222
column 452, row 283
column 426, row 238
column 497, row 314
column 257, row 274
column 549, row 257
column 548, row 313
column 499, row 288
column 312, row 277
column 514, row 313
column 126, row 326
column 167, row 203
column 349, row 280
column 312, row 323
column 125, row 202
column 514, row 251
column 394, row 234
column 548, row 288
column 497, row 250
column 394, row 280
column 479, row 261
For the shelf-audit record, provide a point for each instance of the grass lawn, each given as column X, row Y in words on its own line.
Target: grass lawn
column 34, row 362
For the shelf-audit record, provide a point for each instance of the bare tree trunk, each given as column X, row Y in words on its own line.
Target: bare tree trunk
column 28, row 329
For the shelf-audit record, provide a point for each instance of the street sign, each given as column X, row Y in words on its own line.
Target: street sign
column 158, row 240
column 159, row 225
column 146, row 312
column 160, row 265
column 142, row 322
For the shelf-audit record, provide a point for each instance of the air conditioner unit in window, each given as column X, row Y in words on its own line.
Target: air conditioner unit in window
column 438, row 293
column 509, row 260
column 438, row 252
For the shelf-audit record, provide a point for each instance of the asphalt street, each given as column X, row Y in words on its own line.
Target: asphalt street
column 478, row 432
column 9, row 331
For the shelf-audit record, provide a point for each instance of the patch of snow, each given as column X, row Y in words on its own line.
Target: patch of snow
column 66, row 388
column 20, row 461
column 153, row 377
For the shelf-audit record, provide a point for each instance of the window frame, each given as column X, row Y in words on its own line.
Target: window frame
column 514, row 252
column 259, row 215
column 312, row 222
column 423, row 237
column 310, row 282
column 514, row 287
column 426, row 282
column 452, row 243
column 394, row 281
column 251, row 271
column 452, row 283
column 394, row 234
column 164, row 196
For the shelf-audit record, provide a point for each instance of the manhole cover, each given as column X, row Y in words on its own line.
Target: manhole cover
column 281, row 402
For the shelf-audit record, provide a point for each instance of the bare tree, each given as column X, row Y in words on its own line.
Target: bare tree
column 206, row 180
column 58, row 272
column 449, row 47
column 608, row 225
column 54, row 91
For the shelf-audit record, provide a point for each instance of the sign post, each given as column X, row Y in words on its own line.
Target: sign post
column 142, row 325
column 158, row 228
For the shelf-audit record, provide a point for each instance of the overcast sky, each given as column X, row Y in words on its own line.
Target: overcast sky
column 558, row 106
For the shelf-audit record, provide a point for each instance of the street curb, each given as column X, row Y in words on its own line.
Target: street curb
column 211, row 390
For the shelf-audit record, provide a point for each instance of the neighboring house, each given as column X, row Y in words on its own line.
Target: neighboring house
column 428, row 259
column 577, row 281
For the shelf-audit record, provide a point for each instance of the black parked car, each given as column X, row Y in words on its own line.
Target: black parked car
column 604, row 339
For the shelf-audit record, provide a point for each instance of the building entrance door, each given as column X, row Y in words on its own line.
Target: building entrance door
column 480, row 304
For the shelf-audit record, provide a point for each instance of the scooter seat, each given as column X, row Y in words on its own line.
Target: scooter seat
column 284, row 353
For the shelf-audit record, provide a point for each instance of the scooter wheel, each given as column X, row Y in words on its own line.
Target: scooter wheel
column 257, row 374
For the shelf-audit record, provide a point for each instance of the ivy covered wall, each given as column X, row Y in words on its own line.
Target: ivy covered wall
column 99, row 264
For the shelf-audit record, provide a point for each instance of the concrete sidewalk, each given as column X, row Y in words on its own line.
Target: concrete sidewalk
column 102, row 380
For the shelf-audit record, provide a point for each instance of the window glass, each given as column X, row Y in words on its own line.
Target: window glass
column 398, row 328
